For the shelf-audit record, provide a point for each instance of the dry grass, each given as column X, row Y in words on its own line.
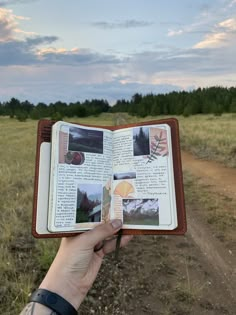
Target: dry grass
column 23, row 260
column 206, row 136
column 218, row 211
column 210, row 137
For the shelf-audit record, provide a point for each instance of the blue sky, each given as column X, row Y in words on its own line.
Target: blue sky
column 76, row 50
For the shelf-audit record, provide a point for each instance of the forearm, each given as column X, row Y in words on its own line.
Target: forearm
column 37, row 309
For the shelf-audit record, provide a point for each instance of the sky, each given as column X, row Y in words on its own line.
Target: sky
column 83, row 49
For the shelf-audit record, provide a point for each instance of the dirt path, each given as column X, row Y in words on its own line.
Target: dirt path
column 222, row 179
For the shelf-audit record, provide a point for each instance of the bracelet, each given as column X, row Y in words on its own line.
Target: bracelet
column 53, row 301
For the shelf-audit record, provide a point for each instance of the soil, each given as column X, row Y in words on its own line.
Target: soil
column 221, row 178
column 192, row 274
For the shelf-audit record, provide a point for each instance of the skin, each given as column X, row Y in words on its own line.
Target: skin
column 76, row 265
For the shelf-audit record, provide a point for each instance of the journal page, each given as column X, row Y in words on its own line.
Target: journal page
column 143, row 193
column 81, row 171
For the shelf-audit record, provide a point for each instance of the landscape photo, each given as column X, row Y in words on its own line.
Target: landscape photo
column 141, row 141
column 127, row 175
column 89, row 203
column 141, row 211
column 85, row 140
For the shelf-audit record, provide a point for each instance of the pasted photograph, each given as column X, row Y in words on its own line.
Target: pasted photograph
column 141, row 211
column 85, row 140
column 159, row 145
column 89, row 203
column 141, row 141
column 75, row 158
column 126, row 175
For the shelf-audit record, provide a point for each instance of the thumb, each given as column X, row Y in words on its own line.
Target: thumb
column 100, row 233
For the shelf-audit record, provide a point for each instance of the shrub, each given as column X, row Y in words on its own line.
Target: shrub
column 21, row 116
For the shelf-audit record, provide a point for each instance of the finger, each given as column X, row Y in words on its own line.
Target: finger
column 110, row 246
column 99, row 233
column 99, row 246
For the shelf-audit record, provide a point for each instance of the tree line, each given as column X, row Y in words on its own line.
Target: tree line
column 216, row 100
column 56, row 111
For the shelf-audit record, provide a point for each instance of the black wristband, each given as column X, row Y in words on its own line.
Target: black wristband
column 53, row 301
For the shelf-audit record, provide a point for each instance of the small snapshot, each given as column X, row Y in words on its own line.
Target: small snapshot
column 141, row 211
column 89, row 203
column 141, row 141
column 127, row 175
column 75, row 158
column 85, row 140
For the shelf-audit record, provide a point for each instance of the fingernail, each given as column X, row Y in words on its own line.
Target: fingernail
column 116, row 223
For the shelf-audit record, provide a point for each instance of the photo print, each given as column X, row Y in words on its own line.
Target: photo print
column 141, row 211
column 89, row 203
column 85, row 140
column 158, row 137
column 141, row 141
column 75, row 158
column 127, row 175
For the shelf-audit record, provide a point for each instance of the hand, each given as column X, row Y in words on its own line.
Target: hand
column 76, row 265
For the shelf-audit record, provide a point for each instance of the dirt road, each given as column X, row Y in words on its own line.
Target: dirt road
column 221, row 178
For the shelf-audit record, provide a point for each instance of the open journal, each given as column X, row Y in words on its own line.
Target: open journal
column 86, row 175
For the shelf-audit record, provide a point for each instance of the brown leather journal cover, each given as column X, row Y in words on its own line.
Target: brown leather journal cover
column 44, row 135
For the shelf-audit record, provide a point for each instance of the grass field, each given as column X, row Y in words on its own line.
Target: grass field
column 206, row 136
column 23, row 260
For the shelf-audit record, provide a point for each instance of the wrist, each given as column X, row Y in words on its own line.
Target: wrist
column 65, row 290
column 53, row 301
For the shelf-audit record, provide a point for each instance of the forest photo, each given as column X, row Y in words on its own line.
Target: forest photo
column 89, row 199
column 141, row 141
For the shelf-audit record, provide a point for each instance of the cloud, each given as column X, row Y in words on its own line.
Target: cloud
column 31, row 52
column 50, row 86
column 124, row 24
column 78, row 58
column 78, row 74
column 12, row 2
column 174, row 33
column 229, row 24
column 212, row 40
column 223, row 34
column 39, row 40
column 21, row 52
column 9, row 25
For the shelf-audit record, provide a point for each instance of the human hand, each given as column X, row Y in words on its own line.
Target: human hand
column 76, row 264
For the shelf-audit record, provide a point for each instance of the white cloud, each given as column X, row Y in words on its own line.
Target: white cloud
column 223, row 34
column 174, row 33
column 9, row 25
column 212, row 41
column 229, row 24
